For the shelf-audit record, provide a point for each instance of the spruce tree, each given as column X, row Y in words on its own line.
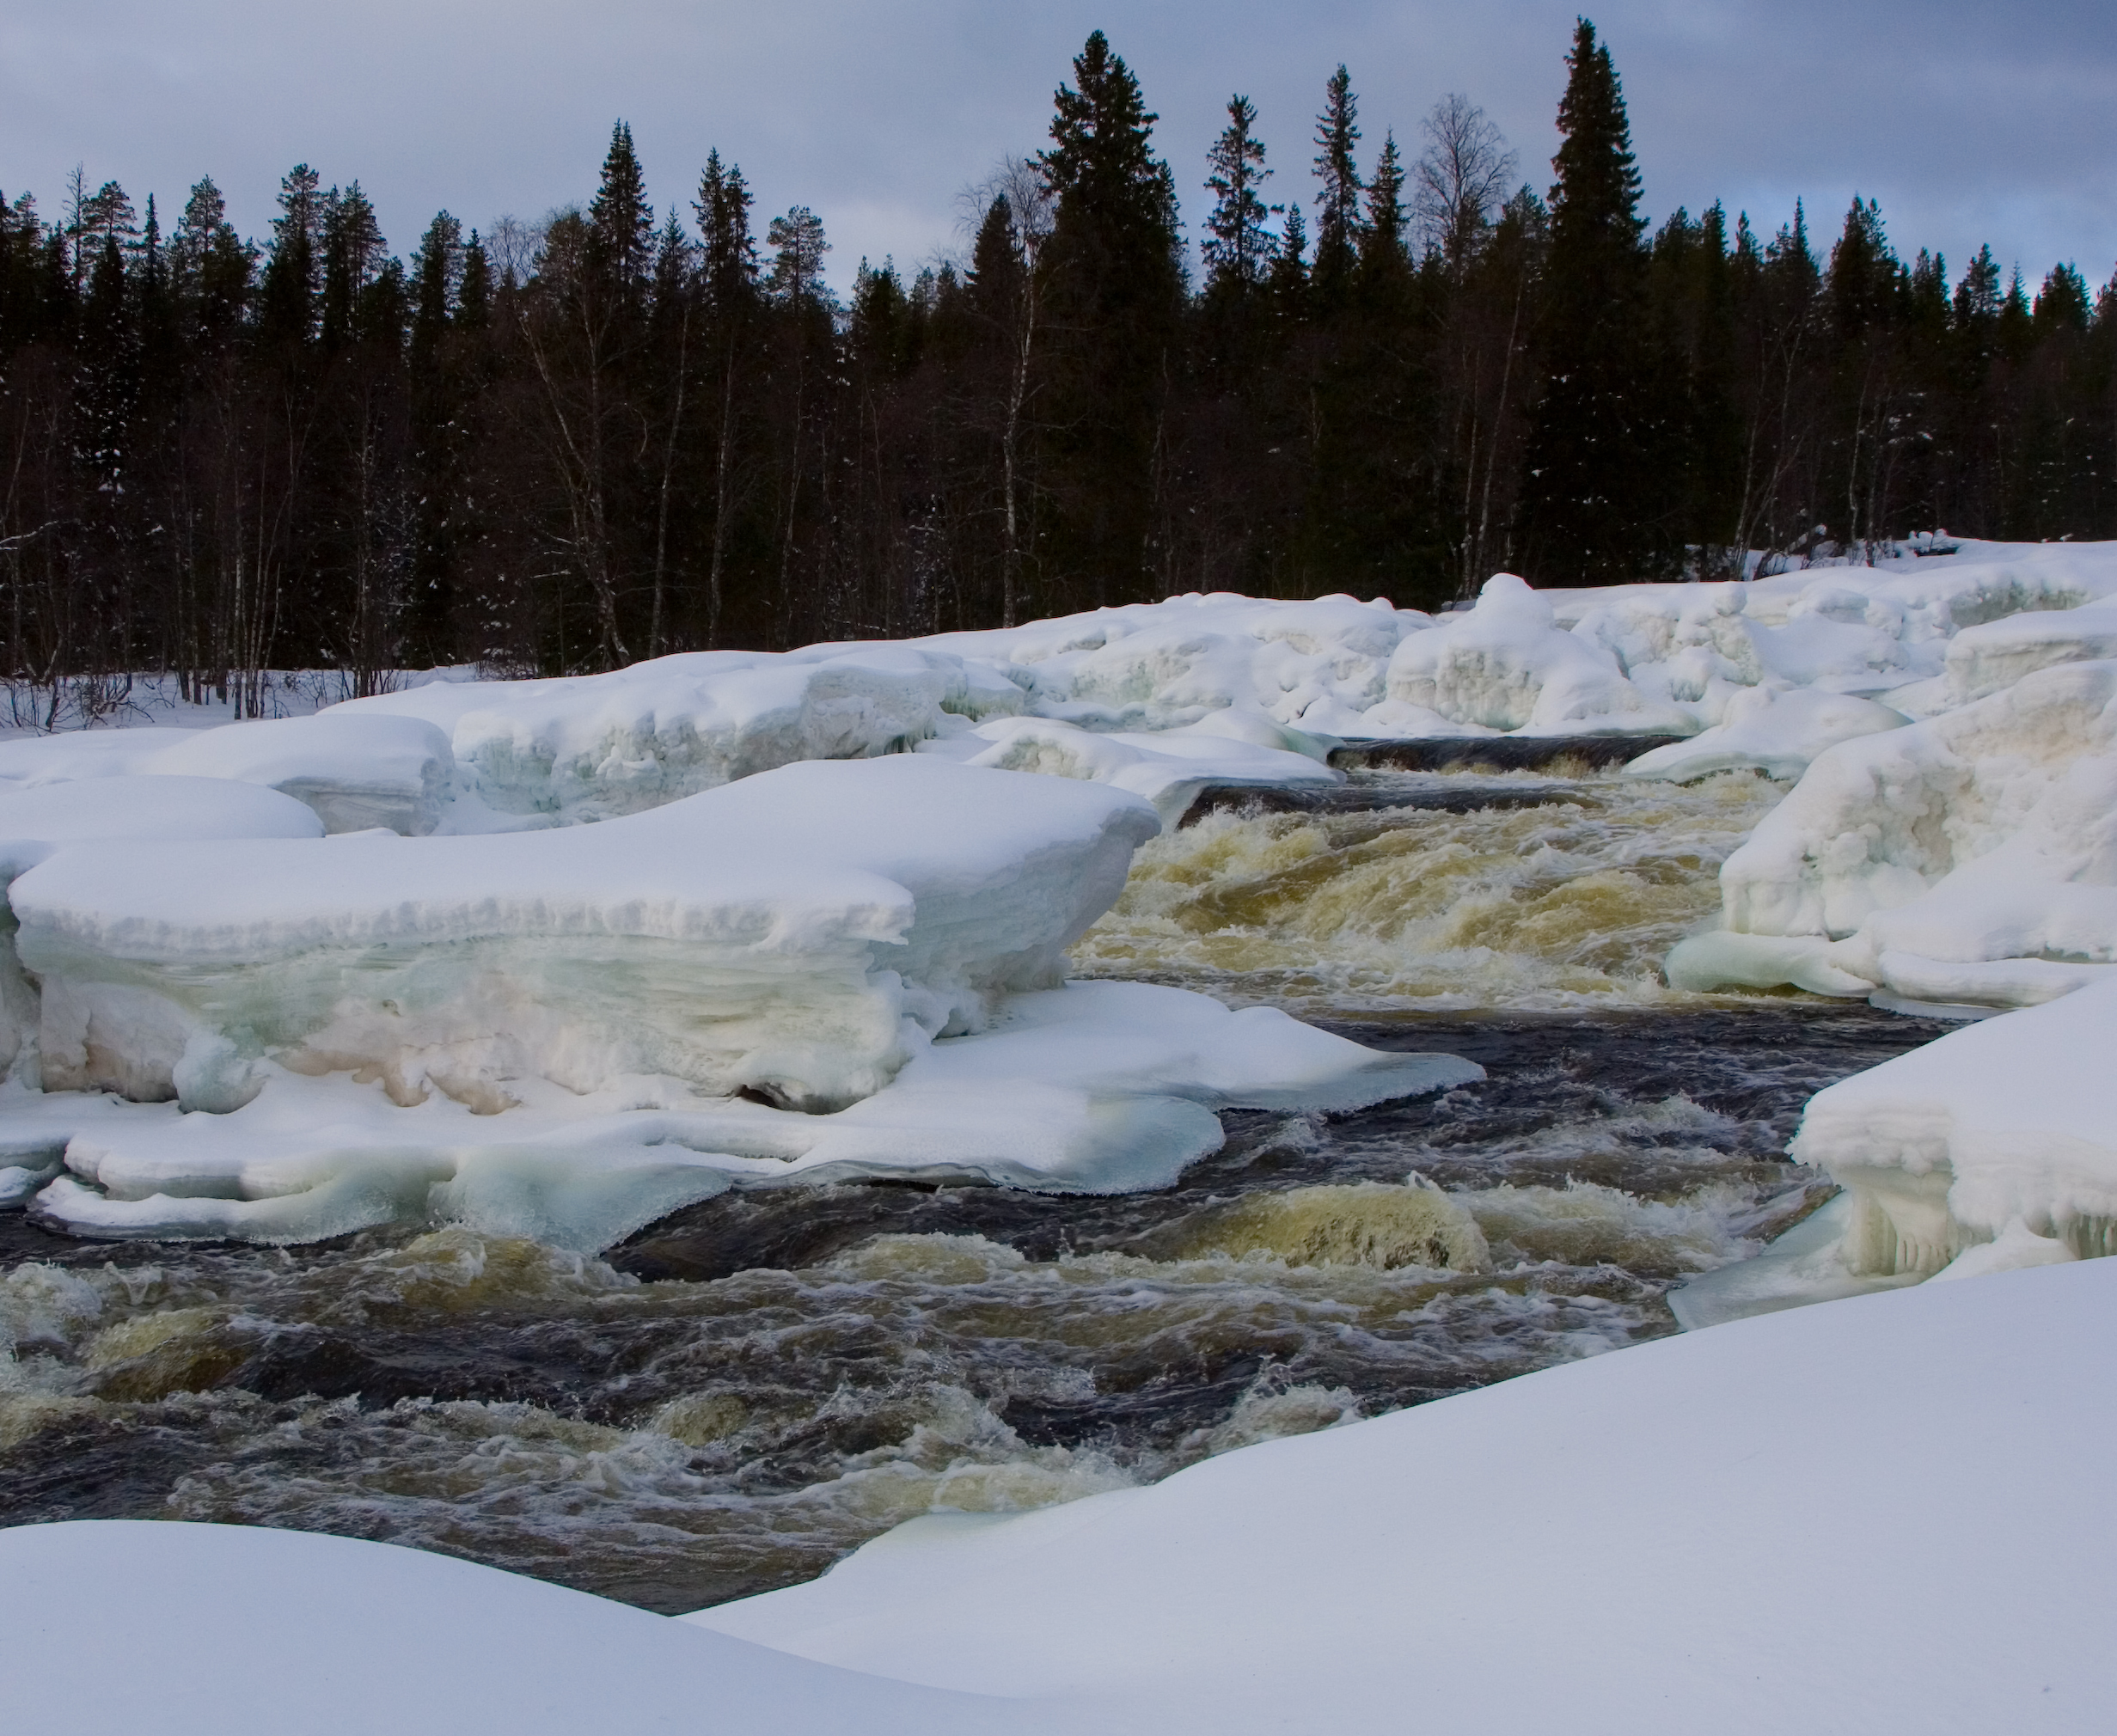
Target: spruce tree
column 620, row 221
column 1238, row 247
column 1337, row 205
column 1595, row 455
column 1117, row 291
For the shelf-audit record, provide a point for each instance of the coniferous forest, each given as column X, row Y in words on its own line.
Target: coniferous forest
column 617, row 433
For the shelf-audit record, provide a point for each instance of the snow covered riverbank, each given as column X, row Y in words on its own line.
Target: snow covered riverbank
column 1834, row 1518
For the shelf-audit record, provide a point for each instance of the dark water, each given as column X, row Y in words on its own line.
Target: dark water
column 745, row 1391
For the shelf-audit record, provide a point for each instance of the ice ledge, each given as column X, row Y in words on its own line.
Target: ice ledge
column 1098, row 1087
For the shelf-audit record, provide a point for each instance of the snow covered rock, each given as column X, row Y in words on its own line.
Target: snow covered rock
column 796, row 934
column 1505, row 666
column 1769, row 731
column 1970, row 859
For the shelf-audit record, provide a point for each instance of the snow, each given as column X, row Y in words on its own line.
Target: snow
column 1776, row 731
column 1169, row 768
column 237, row 1631
column 1764, row 1527
column 1503, row 665
column 796, row 934
column 590, row 747
column 1837, row 1517
column 569, row 1033
column 1970, row 859
column 357, row 771
column 1097, row 1087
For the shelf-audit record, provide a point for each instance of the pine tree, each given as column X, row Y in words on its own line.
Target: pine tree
column 1238, row 249
column 1595, row 455
column 1337, row 219
column 728, row 277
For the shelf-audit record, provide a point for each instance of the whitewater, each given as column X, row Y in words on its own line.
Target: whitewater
column 657, row 1133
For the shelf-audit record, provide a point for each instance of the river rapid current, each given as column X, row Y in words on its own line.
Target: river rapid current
column 747, row 1391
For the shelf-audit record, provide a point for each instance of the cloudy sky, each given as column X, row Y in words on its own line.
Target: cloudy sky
column 1970, row 121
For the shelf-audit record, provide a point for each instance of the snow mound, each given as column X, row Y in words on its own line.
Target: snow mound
column 795, row 935
column 590, row 747
column 1774, row 732
column 1983, row 660
column 1971, row 858
column 1505, row 666
column 1991, row 1149
column 1331, row 1581
column 240, row 1630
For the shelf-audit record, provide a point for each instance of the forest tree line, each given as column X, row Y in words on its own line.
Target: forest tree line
column 614, row 435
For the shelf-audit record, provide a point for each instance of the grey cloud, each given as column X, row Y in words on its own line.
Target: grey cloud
column 1969, row 123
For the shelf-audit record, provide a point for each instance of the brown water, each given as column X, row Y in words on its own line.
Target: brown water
column 752, row 1388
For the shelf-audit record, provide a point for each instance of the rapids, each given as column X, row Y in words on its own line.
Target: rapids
column 747, row 1391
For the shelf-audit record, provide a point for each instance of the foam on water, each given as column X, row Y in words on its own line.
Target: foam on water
column 1570, row 904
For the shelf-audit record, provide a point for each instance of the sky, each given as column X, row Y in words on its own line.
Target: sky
column 1970, row 122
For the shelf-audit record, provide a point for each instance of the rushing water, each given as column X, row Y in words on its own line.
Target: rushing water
column 747, row 1391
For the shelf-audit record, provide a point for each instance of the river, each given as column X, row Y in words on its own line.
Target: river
column 742, row 1393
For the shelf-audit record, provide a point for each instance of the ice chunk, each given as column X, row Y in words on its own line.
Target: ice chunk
column 1777, row 733
column 1505, row 666
column 38, row 818
column 797, row 934
column 357, row 771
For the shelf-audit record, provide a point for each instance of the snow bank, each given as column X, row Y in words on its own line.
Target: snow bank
column 1971, row 858
column 1161, row 666
column 795, row 935
column 590, row 747
column 238, row 1630
column 1331, row 1581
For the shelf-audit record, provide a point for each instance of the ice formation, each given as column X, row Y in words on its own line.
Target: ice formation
column 794, row 934
column 1994, row 1147
column 1778, row 732
column 1506, row 666
column 1971, row 858
column 826, row 970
